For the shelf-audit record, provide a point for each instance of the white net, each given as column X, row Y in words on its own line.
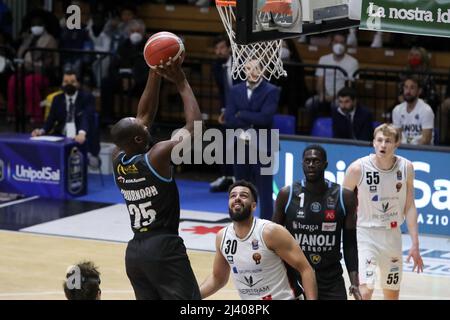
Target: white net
column 266, row 54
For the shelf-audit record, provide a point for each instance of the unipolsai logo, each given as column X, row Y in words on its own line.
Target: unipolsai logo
column 2, row 170
column 73, row 17
column 75, row 181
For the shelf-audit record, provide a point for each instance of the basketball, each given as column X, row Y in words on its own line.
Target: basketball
column 161, row 47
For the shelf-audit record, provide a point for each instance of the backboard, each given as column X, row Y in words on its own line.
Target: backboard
column 264, row 20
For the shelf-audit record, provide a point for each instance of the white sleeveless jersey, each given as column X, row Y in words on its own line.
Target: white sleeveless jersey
column 382, row 194
column 258, row 273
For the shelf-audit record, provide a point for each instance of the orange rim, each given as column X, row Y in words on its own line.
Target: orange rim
column 278, row 6
column 225, row 3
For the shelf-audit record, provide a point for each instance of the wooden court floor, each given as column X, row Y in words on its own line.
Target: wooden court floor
column 33, row 267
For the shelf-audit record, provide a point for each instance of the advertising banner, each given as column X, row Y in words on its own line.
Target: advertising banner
column 420, row 17
column 48, row 169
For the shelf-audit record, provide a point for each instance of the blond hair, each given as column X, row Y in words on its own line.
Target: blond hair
column 388, row 130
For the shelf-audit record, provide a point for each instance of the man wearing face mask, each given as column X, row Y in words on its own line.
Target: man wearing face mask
column 351, row 120
column 330, row 81
column 72, row 115
column 39, row 67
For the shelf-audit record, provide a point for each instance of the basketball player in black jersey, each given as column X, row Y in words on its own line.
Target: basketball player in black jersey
column 317, row 212
column 156, row 260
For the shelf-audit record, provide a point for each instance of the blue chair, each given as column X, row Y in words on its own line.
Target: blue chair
column 322, row 127
column 376, row 124
column 284, row 123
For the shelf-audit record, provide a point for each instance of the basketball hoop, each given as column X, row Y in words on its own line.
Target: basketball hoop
column 266, row 53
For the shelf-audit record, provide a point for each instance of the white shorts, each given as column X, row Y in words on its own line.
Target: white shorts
column 380, row 255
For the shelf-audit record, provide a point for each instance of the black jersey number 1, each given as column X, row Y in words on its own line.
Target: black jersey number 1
column 143, row 216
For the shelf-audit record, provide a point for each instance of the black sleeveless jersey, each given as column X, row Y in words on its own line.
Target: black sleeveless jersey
column 152, row 201
column 316, row 221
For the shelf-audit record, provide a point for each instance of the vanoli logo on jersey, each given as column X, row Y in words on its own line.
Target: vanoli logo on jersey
column 316, row 242
column 124, row 170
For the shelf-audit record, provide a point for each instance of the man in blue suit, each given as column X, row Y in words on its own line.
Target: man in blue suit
column 252, row 105
column 222, row 75
column 72, row 114
column 350, row 120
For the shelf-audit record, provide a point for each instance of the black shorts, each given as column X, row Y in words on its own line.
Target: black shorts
column 331, row 284
column 159, row 269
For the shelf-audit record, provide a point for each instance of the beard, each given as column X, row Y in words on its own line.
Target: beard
column 244, row 214
column 409, row 98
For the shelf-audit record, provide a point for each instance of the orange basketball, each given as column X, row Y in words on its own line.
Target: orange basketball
column 161, row 47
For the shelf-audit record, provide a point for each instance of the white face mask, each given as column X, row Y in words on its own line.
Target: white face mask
column 37, row 30
column 135, row 37
column 338, row 49
column 285, row 53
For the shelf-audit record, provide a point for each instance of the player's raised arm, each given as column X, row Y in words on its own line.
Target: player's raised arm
column 221, row 271
column 148, row 103
column 411, row 221
column 278, row 239
column 160, row 154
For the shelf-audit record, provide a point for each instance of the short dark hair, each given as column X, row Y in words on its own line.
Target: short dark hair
column 347, row 92
column 316, row 147
column 249, row 185
column 220, row 38
column 90, row 283
column 70, row 72
column 413, row 78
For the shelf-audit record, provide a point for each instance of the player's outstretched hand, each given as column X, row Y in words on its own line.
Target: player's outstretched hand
column 172, row 70
column 417, row 259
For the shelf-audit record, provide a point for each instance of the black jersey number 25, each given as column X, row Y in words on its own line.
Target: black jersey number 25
column 231, row 247
column 373, row 177
column 143, row 215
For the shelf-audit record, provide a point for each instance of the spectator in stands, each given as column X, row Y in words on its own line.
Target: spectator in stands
column 75, row 39
column 419, row 64
column 72, row 114
column 293, row 87
column 6, row 66
column 39, row 67
column 253, row 104
column 102, row 43
column 330, row 81
column 413, row 118
column 351, row 120
column 444, row 117
column 82, row 282
column 224, row 81
column 5, row 20
column 126, row 74
column 117, row 26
